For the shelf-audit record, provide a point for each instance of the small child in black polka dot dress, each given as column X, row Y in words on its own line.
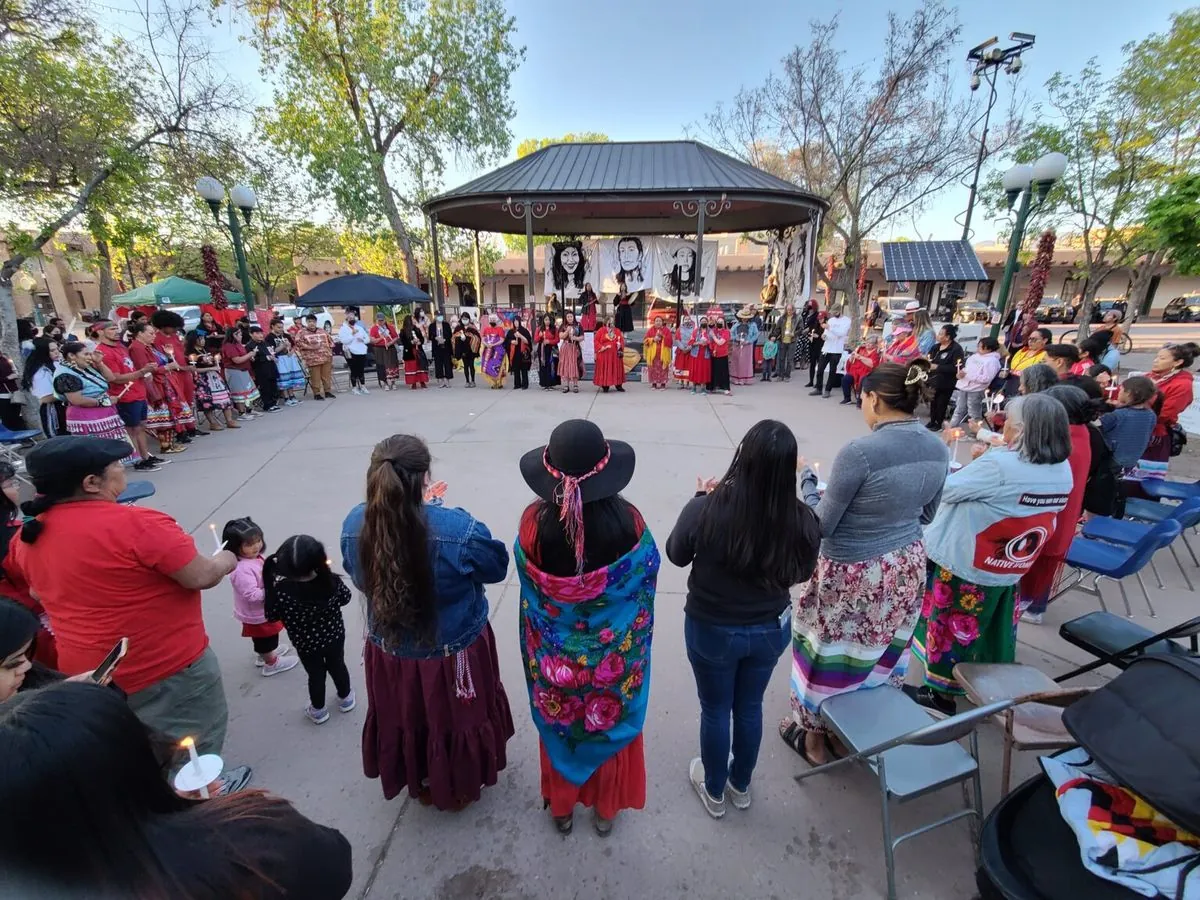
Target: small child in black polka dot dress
column 307, row 597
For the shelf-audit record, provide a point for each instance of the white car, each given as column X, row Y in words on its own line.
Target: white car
column 324, row 319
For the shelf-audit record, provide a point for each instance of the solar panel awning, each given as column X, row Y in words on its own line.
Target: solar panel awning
column 931, row 261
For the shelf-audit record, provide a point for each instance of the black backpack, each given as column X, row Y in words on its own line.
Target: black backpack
column 1102, row 496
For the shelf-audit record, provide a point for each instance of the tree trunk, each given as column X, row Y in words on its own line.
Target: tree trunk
column 106, row 278
column 1143, row 274
column 1085, row 308
column 10, row 344
column 396, row 222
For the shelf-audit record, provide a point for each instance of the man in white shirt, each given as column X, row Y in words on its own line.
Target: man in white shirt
column 356, row 341
column 837, row 329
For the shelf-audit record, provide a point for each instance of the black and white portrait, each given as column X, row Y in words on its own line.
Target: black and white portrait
column 569, row 266
column 680, row 279
column 627, row 264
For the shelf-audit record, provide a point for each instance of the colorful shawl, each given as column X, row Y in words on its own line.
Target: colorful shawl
column 904, row 347
column 586, row 642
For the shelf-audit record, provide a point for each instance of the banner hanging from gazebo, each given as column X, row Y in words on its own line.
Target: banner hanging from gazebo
column 665, row 266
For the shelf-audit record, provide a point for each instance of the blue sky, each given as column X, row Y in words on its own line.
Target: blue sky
column 648, row 69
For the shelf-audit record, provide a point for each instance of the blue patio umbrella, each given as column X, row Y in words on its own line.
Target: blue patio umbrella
column 362, row 290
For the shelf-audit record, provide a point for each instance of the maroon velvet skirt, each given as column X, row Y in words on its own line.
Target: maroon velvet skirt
column 421, row 735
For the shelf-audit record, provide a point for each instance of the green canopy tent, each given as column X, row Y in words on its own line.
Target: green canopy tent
column 172, row 291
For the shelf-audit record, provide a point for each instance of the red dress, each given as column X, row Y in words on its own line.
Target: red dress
column 700, row 366
column 857, row 369
column 610, row 365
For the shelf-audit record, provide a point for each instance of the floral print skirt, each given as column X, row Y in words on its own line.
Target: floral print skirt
column 963, row 622
column 852, row 626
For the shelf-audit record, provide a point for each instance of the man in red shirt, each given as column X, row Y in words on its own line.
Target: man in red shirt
column 127, row 387
column 104, row 571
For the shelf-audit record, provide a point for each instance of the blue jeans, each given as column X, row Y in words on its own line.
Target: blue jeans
column 732, row 665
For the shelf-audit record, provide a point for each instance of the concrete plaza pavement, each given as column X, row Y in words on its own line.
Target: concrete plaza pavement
column 302, row 469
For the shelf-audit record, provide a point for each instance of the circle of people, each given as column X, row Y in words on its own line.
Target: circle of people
column 896, row 556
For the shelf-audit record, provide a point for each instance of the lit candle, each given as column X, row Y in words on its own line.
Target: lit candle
column 212, row 527
column 194, row 761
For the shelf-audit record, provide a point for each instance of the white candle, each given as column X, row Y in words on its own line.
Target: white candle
column 212, row 527
column 194, row 757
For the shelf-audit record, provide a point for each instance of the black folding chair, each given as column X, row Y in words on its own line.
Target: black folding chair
column 1116, row 641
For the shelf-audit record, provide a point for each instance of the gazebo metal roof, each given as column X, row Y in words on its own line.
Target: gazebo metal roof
column 626, row 188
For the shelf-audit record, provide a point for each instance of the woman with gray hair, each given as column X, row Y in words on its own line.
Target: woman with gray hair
column 995, row 518
column 1037, row 378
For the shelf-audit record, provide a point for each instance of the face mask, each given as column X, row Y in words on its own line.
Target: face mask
column 439, row 318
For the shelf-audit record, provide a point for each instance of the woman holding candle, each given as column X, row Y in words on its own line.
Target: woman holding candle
column 855, row 616
column 493, row 361
column 167, row 329
column 159, row 390
column 83, row 768
column 610, row 364
column 211, row 391
column 996, row 515
column 237, row 358
column 656, row 350
column 741, row 350
column 700, row 357
column 545, row 340
column 683, row 351
column 438, row 718
column 570, row 353
column 384, row 338
column 947, row 359
column 90, row 409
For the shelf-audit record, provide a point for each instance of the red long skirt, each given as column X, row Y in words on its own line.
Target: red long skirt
column 420, row 734
column 682, row 366
column 610, row 370
column 700, row 372
column 618, row 784
column 414, row 374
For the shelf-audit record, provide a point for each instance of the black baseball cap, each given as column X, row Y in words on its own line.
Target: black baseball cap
column 59, row 465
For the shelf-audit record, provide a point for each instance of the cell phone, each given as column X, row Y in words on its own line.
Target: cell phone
column 110, row 662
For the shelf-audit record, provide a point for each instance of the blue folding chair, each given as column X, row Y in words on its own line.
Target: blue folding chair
column 1127, row 532
column 1160, row 489
column 1113, row 562
column 10, row 441
column 135, row 491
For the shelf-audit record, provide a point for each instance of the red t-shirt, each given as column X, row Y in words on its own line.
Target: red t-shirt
column 117, row 358
column 101, row 571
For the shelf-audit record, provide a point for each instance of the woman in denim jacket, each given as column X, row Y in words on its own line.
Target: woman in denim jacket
column 433, row 679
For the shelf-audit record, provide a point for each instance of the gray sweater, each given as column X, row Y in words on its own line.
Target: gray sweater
column 884, row 486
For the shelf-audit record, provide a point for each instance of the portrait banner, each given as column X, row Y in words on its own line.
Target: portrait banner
column 626, row 262
column 676, row 270
column 569, row 266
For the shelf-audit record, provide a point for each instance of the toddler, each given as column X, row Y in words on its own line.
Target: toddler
column 307, row 598
column 1128, row 428
column 245, row 539
column 770, row 351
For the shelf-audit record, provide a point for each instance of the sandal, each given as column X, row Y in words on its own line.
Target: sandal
column 793, row 736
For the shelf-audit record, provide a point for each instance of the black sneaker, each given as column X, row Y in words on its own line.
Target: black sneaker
column 318, row 397
column 158, row 461
column 272, row 409
column 146, row 465
column 183, row 438
column 234, row 780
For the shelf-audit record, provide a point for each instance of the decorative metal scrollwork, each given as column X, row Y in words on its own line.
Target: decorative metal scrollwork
column 712, row 208
column 538, row 208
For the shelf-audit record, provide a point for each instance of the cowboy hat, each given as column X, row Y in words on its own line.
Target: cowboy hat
column 576, row 450
column 911, row 306
column 745, row 313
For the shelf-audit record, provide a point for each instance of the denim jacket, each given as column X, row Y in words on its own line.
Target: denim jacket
column 465, row 557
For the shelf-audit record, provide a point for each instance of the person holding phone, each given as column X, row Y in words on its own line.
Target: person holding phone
column 104, row 570
column 748, row 540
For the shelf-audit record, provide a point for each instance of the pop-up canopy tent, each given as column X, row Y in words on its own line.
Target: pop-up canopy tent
column 173, row 291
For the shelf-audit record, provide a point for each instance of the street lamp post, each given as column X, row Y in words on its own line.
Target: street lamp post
column 243, row 198
column 989, row 59
column 1023, row 181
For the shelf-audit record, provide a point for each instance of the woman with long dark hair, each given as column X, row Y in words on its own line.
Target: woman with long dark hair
column 90, row 410
column 570, row 353
column 438, row 718
column 589, row 570
column 568, row 268
column 38, row 381
column 236, row 357
column 467, row 344
column 545, row 340
column 209, row 387
column 83, row 768
column 416, row 365
column 856, row 615
column 23, row 666
column 748, row 539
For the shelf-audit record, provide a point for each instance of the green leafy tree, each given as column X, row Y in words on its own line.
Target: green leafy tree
column 373, row 95
column 516, row 242
column 1174, row 219
column 1125, row 139
column 80, row 114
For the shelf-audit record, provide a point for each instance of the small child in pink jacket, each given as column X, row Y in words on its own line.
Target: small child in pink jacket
column 245, row 539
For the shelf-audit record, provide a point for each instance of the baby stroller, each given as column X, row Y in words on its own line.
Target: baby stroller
column 1133, row 728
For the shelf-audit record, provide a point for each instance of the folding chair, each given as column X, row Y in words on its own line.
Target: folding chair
column 135, row 491
column 1118, row 642
column 10, row 441
column 1121, row 531
column 911, row 751
column 1034, row 721
column 1147, row 511
column 1161, row 489
column 1109, row 561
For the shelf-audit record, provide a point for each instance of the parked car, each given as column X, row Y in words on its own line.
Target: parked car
column 191, row 316
column 969, row 311
column 1182, row 309
column 1054, row 309
column 1101, row 308
column 324, row 319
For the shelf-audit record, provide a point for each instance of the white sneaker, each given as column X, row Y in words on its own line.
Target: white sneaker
column 1033, row 618
column 279, row 651
column 282, row 664
column 365, row 390
column 317, row 716
column 740, row 799
column 714, row 807
column 346, row 704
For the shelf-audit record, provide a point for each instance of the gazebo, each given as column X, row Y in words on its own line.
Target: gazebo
column 654, row 187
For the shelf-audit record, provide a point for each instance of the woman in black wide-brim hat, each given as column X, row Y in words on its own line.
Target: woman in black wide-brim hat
column 589, row 568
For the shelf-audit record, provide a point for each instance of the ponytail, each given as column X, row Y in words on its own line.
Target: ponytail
column 394, row 543
column 33, row 528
